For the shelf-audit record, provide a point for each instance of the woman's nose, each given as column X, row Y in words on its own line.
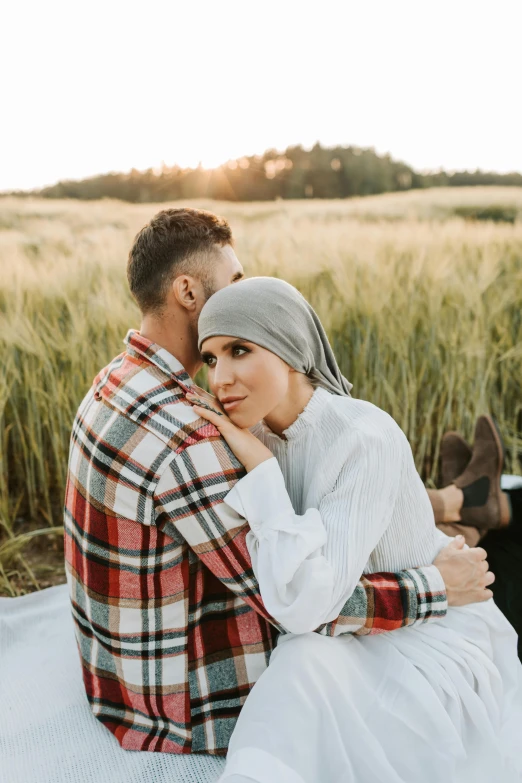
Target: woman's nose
column 223, row 375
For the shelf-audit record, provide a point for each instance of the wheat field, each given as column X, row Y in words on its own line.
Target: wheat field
column 423, row 308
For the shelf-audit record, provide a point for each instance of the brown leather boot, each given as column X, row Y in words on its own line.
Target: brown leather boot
column 455, row 454
column 485, row 505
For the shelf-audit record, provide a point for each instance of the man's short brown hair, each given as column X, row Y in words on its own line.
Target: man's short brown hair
column 176, row 241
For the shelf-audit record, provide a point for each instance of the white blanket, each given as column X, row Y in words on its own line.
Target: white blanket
column 47, row 731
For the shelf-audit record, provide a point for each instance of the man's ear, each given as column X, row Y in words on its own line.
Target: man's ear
column 185, row 289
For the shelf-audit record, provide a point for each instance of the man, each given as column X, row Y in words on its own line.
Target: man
column 170, row 624
column 502, row 541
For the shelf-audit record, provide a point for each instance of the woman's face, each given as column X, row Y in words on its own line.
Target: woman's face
column 249, row 381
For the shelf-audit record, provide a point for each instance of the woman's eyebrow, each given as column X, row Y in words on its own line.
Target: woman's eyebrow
column 226, row 346
column 236, row 341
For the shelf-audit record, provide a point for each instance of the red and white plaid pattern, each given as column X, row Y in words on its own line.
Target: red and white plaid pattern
column 171, row 628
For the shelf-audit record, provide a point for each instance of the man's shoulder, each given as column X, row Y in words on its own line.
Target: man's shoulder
column 136, row 394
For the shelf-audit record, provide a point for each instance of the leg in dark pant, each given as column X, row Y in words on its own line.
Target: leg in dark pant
column 504, row 548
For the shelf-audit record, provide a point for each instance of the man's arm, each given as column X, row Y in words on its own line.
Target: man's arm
column 189, row 502
column 384, row 602
column 459, row 576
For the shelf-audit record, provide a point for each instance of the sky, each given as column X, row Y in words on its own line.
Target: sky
column 94, row 87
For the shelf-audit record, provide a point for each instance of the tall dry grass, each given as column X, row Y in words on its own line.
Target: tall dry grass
column 424, row 311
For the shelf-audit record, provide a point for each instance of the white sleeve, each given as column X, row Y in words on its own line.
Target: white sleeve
column 442, row 540
column 308, row 565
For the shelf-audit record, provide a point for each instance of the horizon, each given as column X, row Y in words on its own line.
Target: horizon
column 113, row 89
column 157, row 169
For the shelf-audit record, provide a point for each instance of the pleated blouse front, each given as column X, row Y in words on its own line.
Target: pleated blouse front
column 341, row 497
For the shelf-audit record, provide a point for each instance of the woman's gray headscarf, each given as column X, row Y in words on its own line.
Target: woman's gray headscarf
column 273, row 314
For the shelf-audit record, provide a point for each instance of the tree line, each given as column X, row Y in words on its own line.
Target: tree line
column 322, row 172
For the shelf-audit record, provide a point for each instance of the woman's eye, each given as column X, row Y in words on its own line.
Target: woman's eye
column 238, row 351
column 209, row 360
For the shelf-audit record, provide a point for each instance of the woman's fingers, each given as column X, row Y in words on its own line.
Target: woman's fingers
column 217, row 419
column 489, row 579
column 247, row 448
column 208, row 404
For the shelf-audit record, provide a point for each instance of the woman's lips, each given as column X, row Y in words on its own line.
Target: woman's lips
column 231, row 404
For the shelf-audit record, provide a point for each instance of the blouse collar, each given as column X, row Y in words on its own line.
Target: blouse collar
column 304, row 420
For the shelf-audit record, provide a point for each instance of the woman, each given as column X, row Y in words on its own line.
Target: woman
column 331, row 491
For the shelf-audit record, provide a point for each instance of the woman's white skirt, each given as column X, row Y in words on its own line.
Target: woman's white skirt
column 438, row 703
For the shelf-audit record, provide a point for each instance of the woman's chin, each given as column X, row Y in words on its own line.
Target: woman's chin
column 242, row 419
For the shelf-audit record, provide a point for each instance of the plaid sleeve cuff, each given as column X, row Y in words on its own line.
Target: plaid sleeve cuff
column 432, row 602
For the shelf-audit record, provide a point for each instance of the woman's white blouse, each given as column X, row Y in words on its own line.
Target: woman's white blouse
column 341, row 497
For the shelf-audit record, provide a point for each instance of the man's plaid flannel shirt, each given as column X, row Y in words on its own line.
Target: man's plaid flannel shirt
column 171, row 628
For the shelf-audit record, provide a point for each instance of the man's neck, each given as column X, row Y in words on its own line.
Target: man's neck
column 177, row 338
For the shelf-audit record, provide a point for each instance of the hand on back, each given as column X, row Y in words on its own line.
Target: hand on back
column 246, row 447
column 465, row 572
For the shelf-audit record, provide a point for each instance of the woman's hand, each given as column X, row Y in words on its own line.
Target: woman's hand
column 247, row 448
